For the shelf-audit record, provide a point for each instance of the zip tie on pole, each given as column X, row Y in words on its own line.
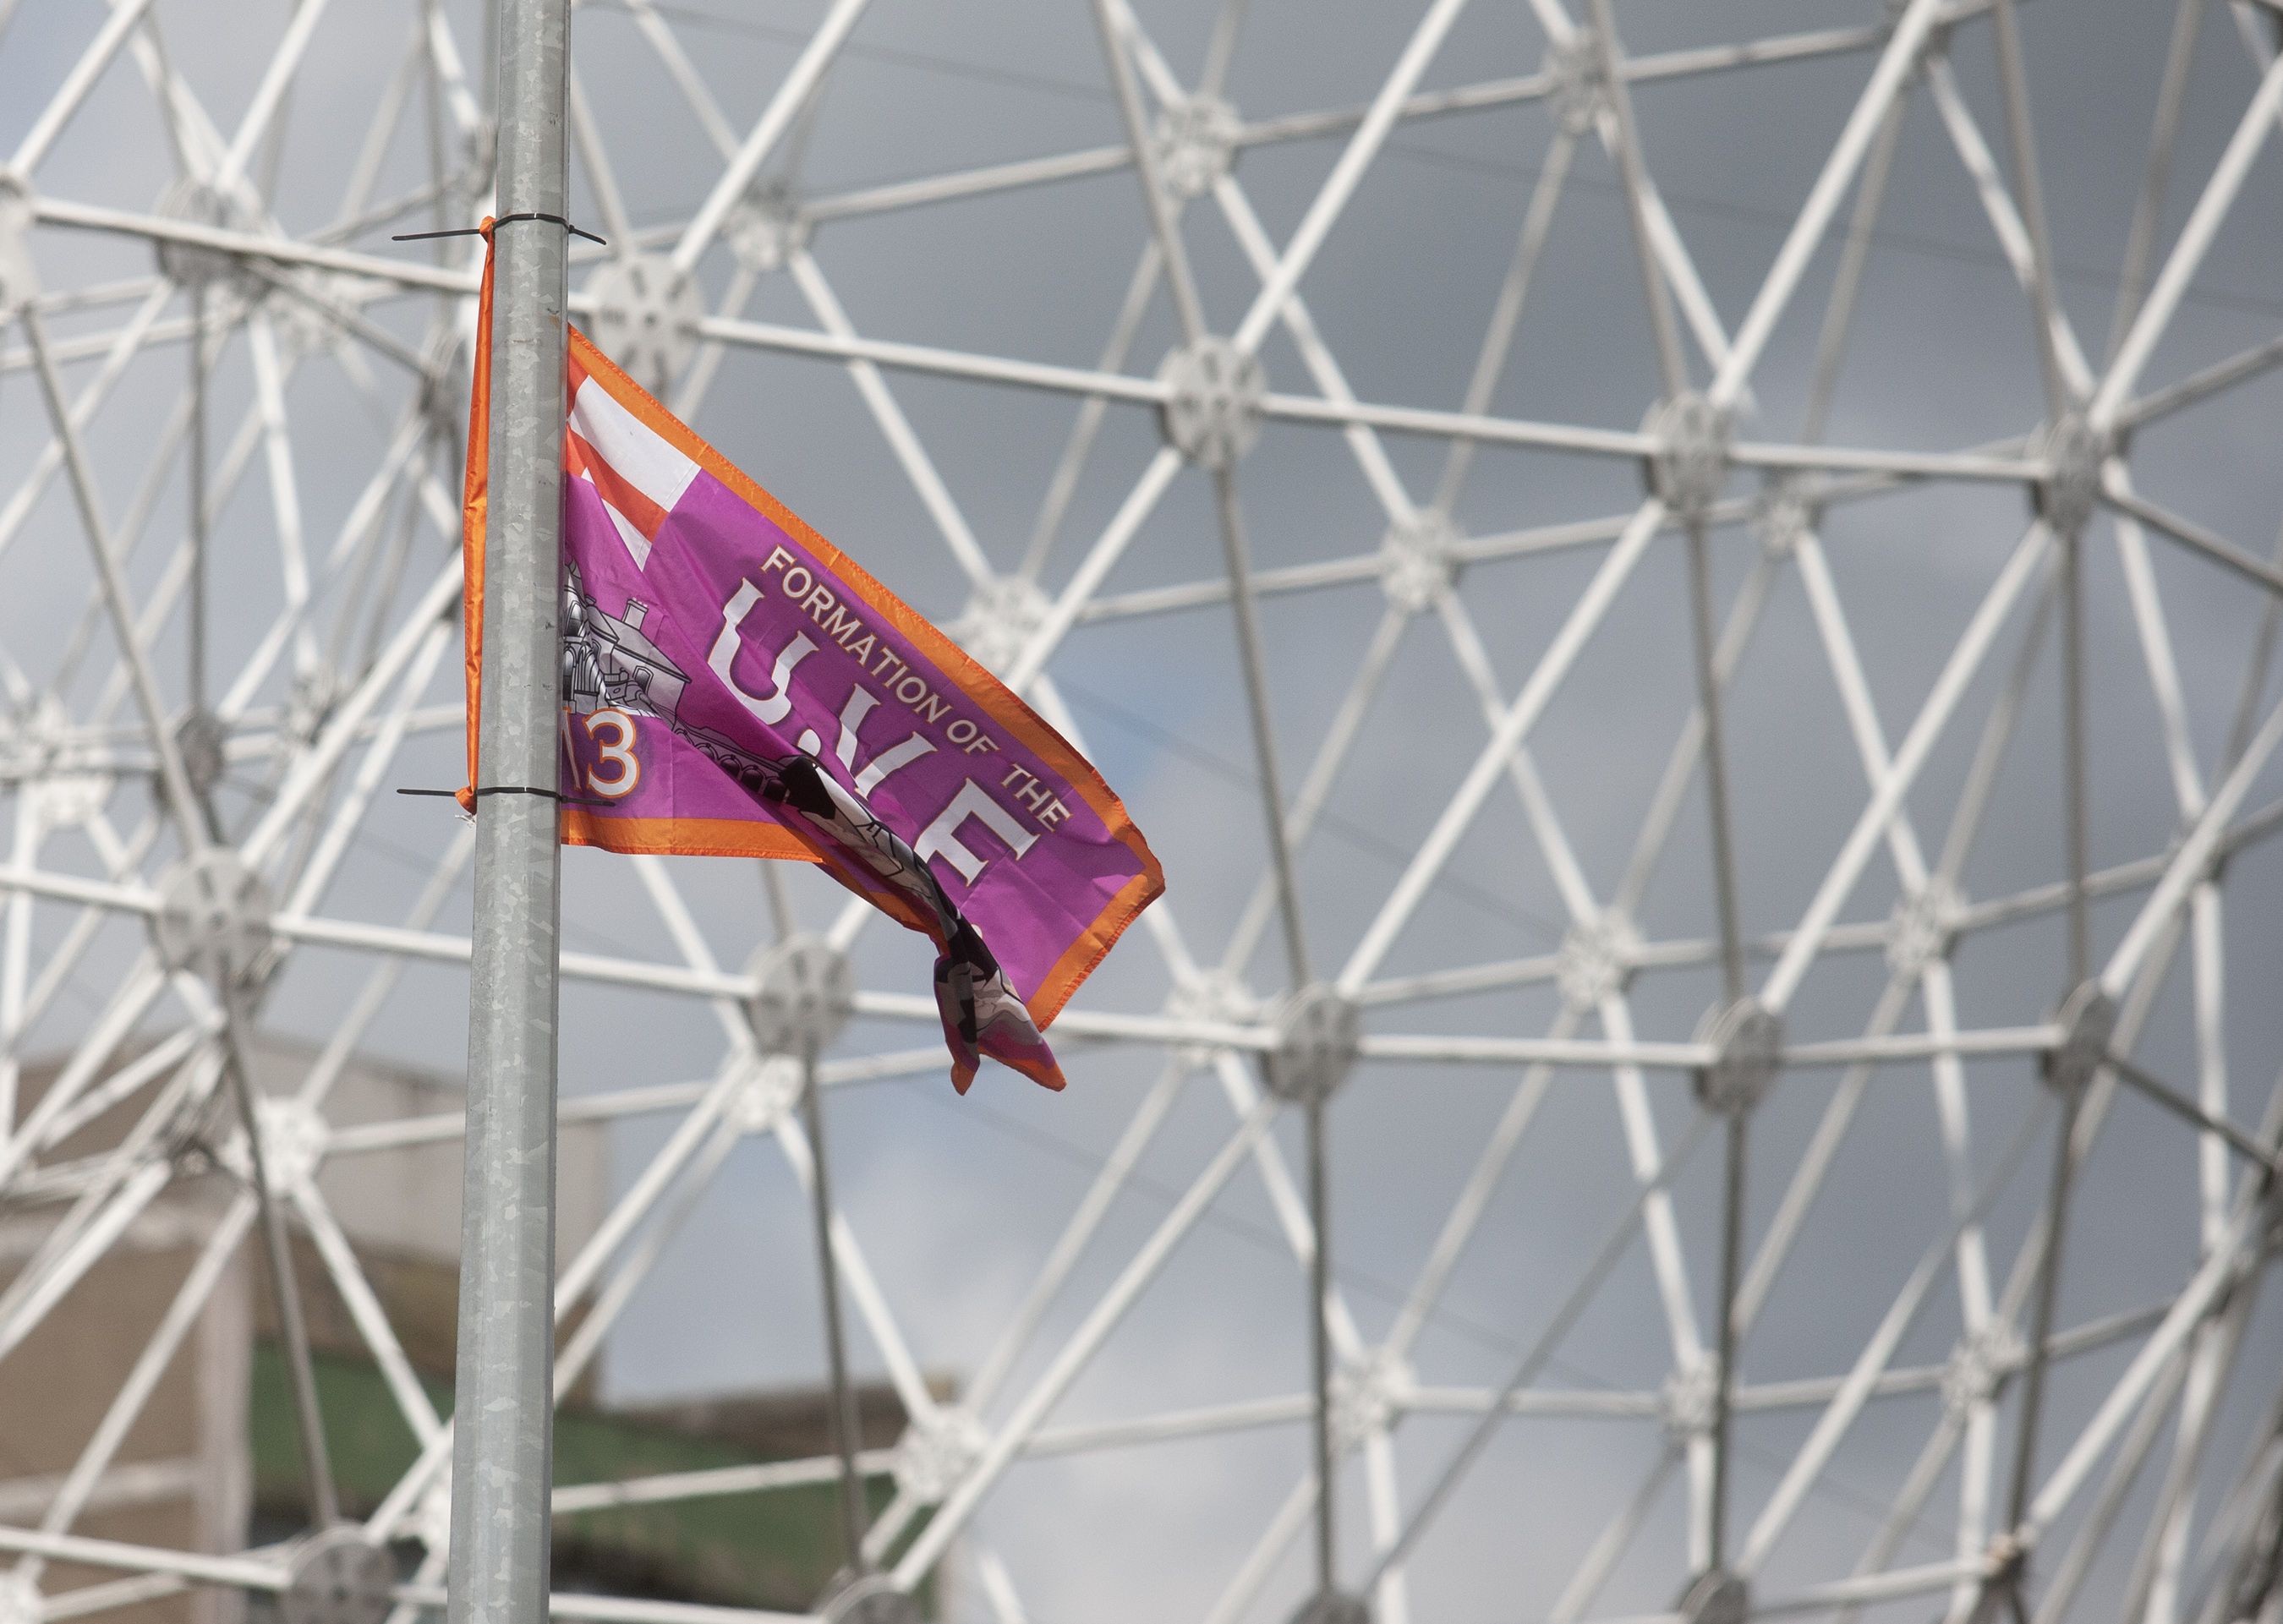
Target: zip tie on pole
column 422, row 237
column 551, row 795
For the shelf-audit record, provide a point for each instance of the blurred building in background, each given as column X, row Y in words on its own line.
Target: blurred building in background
column 212, row 1461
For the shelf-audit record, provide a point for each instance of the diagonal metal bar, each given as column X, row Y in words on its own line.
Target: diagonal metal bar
column 1221, row 50
column 1854, row 257
column 1549, row 1339
column 2200, row 386
column 1506, row 313
column 2092, row 1538
column 2204, row 1293
column 278, row 1256
column 1086, row 427
column 2162, row 1094
column 180, row 797
column 2180, row 266
column 595, row 161
column 1295, row 952
column 1514, row 727
column 1680, row 765
column 2023, row 138
column 1886, row 81
column 776, row 120
column 2189, row 859
column 1264, row 738
column 1672, row 364
column 1847, row 1403
column 269, row 94
column 894, row 426
column 2148, row 203
column 366, row 1313
column 1077, row 1351
column 2120, row 495
column 1016, row 1332
column 1609, row 1548
column 1934, row 715
column 1340, row 185
column 1164, row 223
column 847, row 1434
column 2057, row 341
column 72, row 94
column 2047, row 1293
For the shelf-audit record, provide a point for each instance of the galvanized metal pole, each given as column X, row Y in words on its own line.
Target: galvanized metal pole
column 504, row 1403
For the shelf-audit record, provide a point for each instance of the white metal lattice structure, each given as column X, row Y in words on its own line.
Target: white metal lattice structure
column 1821, row 941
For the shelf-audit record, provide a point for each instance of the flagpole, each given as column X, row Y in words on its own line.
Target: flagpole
column 504, row 1399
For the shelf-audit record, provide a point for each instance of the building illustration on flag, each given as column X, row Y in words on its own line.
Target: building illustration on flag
column 607, row 662
column 734, row 685
column 609, row 665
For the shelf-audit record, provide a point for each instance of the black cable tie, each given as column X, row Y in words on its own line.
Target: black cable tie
column 550, row 795
column 422, row 237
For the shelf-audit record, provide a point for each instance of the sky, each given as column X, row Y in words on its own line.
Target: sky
column 956, row 1202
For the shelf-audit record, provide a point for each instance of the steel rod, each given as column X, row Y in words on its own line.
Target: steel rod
column 1075, row 1354
column 197, row 493
column 1506, row 313
column 2075, row 791
column 499, row 1571
column 1909, row 758
column 2179, row 1105
column 2147, row 206
column 1264, row 740
column 1320, row 1352
column 784, row 107
column 1164, row 221
column 2020, row 137
column 366, row 1313
column 1016, row 1331
column 1331, row 200
column 1724, row 1370
column 284, row 1292
column 1671, row 365
column 2190, row 860
column 2118, row 496
column 1514, row 727
column 2049, row 1270
column 1088, row 425
column 178, row 793
column 1715, row 770
column 2201, row 385
column 2204, row 1294
column 847, row 1434
column 1838, row 315
column 2154, row 313
column 79, row 1488
column 1525, row 1371
column 1295, row 951
column 1896, row 62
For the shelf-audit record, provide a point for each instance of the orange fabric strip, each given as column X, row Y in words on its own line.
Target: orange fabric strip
column 474, row 497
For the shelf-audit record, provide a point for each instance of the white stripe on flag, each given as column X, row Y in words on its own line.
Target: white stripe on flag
column 636, row 453
column 637, row 544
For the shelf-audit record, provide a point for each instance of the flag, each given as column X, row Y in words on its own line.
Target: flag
column 735, row 685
